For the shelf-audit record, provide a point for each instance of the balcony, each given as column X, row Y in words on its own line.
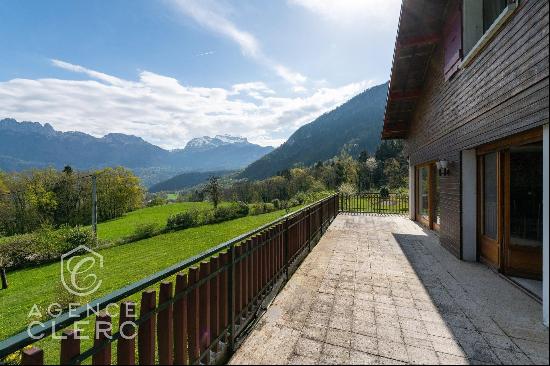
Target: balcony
column 380, row 289
column 318, row 286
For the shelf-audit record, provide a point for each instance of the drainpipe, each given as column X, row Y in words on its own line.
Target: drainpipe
column 545, row 221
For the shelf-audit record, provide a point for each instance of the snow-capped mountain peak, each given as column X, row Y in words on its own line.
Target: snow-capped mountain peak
column 207, row 142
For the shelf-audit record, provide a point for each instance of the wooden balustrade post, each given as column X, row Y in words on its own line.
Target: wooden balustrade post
column 244, row 276
column 70, row 346
column 193, row 337
column 215, row 301
column 285, row 248
column 256, row 269
column 146, row 330
column 32, row 356
column 165, row 320
column 126, row 345
column 103, row 329
column 250, row 279
column 238, row 285
column 204, row 311
column 180, row 321
column 224, row 292
column 231, row 298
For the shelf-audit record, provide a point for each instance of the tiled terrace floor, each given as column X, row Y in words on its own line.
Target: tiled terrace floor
column 382, row 290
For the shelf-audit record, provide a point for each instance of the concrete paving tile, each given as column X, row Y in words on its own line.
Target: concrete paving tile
column 363, row 343
column 315, row 333
column 389, row 333
column 448, row 346
column 308, row 348
column 338, row 337
column 301, row 360
column 422, row 356
column 418, row 342
column 393, row 350
column 364, row 328
column 390, row 361
column 360, row 358
column 446, row 359
column 502, row 342
column 340, row 322
column 508, row 357
column 335, row 351
column 532, row 349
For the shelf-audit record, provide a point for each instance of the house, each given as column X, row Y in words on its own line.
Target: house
column 469, row 96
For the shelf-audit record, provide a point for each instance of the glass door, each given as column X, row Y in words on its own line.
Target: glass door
column 523, row 211
column 427, row 196
column 489, row 204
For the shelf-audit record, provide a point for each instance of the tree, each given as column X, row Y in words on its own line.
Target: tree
column 213, row 190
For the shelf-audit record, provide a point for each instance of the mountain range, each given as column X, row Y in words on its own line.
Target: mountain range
column 25, row 145
column 354, row 126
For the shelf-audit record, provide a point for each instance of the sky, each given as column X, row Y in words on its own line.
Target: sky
column 172, row 70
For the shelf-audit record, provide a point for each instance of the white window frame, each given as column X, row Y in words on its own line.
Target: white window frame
column 489, row 34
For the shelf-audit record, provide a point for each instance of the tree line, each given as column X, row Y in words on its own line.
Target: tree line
column 387, row 168
column 32, row 199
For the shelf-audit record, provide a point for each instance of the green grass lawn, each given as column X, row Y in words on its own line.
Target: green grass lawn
column 125, row 225
column 172, row 196
column 123, row 265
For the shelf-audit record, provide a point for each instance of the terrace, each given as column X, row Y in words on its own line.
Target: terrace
column 317, row 286
column 380, row 289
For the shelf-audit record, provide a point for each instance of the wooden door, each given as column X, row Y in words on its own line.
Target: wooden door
column 489, row 207
column 427, row 196
column 522, row 252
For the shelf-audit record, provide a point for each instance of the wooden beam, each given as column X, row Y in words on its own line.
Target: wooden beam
column 419, row 41
column 412, row 94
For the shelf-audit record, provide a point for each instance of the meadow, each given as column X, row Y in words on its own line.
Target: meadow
column 123, row 265
column 119, row 228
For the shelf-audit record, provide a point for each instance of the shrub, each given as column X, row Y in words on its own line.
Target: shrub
column 183, row 220
column 228, row 212
column 384, row 193
column 293, row 202
column 72, row 237
column 41, row 246
column 143, row 231
column 261, row 208
column 276, row 203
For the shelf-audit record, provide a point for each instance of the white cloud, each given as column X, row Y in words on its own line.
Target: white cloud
column 381, row 13
column 162, row 110
column 212, row 16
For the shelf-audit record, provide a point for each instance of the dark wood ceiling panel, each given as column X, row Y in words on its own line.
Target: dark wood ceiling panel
column 419, row 32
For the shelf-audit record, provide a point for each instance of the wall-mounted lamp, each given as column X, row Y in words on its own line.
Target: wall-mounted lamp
column 442, row 167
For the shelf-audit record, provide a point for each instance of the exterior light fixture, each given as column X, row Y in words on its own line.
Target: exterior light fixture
column 442, row 167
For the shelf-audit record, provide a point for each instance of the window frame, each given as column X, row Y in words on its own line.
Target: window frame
column 489, row 34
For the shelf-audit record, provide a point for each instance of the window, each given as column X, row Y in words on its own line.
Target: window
column 452, row 41
column 491, row 10
column 481, row 20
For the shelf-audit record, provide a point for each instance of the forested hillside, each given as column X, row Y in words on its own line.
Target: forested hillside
column 355, row 126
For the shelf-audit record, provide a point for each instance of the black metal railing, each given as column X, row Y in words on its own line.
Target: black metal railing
column 391, row 203
column 203, row 313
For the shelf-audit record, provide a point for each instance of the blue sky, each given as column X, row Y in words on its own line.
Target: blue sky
column 170, row 70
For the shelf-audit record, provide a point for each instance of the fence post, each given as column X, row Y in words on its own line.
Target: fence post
column 285, row 248
column 126, row 346
column 309, row 227
column 32, row 356
column 231, row 298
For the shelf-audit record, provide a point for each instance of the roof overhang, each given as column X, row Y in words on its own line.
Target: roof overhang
column 419, row 32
